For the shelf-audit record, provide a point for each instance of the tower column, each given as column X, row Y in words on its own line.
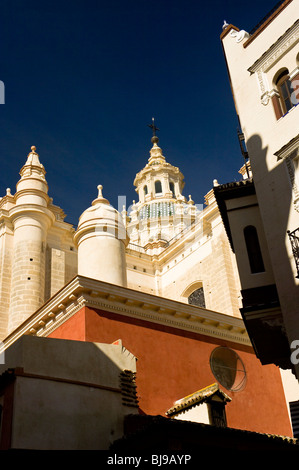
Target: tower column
column 31, row 220
column 177, row 188
column 28, row 268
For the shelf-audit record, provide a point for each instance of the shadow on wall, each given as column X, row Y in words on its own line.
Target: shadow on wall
column 65, row 395
column 274, row 193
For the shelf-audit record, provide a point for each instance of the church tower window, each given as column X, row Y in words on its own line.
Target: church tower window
column 158, row 187
column 145, row 190
column 197, row 298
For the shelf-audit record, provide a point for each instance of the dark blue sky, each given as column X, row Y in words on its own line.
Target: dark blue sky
column 83, row 79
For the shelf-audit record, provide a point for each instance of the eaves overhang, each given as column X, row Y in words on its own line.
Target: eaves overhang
column 197, row 398
column 265, row 327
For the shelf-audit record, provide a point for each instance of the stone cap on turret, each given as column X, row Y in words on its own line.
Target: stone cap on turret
column 33, row 167
column 32, row 187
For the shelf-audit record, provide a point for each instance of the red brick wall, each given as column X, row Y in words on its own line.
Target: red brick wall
column 172, row 364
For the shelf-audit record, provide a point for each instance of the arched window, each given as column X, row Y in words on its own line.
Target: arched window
column 286, row 92
column 197, row 298
column 145, row 190
column 171, row 187
column 253, row 250
column 158, row 187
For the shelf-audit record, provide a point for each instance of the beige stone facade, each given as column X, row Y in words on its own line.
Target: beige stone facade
column 263, row 69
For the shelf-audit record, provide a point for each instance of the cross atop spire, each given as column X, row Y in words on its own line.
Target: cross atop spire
column 154, row 128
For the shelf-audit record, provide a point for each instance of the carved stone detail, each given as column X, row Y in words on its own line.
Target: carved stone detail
column 288, row 40
column 239, row 35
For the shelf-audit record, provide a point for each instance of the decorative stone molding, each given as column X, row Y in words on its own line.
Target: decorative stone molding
column 84, row 292
column 239, row 35
column 294, row 73
column 269, row 58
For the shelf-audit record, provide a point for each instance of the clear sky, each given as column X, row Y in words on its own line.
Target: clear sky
column 83, row 79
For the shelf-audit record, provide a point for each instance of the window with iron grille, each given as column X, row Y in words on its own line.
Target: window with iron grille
column 197, row 298
column 294, row 240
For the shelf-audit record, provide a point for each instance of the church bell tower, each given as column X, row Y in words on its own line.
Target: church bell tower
column 162, row 211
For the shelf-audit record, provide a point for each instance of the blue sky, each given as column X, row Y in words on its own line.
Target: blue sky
column 83, row 79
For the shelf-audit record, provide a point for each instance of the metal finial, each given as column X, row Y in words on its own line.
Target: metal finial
column 33, row 148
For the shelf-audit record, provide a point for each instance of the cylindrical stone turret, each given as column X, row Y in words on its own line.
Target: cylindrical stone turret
column 31, row 220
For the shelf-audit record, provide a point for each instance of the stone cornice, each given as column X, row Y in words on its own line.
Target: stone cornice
column 288, row 149
column 279, row 48
column 84, row 292
column 33, row 210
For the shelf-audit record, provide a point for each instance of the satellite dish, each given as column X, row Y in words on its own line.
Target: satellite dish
column 228, row 368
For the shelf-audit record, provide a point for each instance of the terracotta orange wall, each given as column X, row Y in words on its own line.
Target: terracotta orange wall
column 172, row 364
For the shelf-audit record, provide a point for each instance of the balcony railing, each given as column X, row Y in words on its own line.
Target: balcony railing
column 294, row 239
